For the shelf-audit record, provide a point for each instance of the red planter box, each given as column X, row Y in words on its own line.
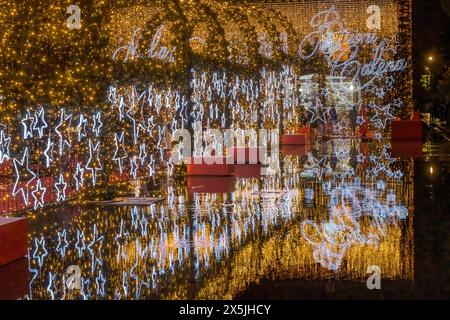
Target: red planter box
column 294, row 139
column 294, row 150
column 212, row 166
column 13, row 239
column 406, row 130
column 14, row 280
column 247, row 170
column 247, row 155
column 407, row 149
column 211, row 184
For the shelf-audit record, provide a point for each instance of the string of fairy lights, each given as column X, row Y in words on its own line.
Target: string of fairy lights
column 85, row 112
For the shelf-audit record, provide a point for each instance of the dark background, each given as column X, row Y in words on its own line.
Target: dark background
column 431, row 37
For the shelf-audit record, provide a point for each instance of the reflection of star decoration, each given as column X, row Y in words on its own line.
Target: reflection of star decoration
column 39, row 255
column 142, row 153
column 61, row 187
column 39, row 122
column 95, row 247
column 4, row 147
column 48, row 153
column 373, row 158
column 98, row 124
column 80, row 245
column 100, row 281
column 121, row 238
column 79, row 177
column 84, row 291
column 135, row 217
column 381, row 122
column 18, row 165
column 38, row 195
column 120, row 153
column 320, row 165
column 378, row 136
column 94, row 165
column 360, row 158
column 63, row 131
column 325, row 92
column 27, row 124
column 134, row 167
column 360, row 120
column 81, row 127
column 62, row 243
column 51, row 288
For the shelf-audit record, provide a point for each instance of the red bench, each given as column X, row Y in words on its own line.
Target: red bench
column 13, row 239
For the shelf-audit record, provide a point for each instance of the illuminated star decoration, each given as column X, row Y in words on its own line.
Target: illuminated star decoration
column 27, row 124
column 39, row 122
column 98, row 124
column 63, row 131
column 79, row 177
column 320, row 165
column 4, row 147
column 48, row 153
column 316, row 116
column 62, row 243
column 80, row 245
column 92, row 164
column 142, row 153
column 61, row 187
column 81, row 127
column 17, row 167
column 40, row 255
column 134, row 167
column 120, row 153
column 38, row 195
column 384, row 112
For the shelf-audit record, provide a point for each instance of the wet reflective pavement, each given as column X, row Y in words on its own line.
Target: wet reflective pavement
column 311, row 231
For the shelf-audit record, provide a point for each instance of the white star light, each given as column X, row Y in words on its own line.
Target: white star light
column 48, row 153
column 79, row 177
column 81, row 127
column 38, row 195
column 4, row 147
column 27, row 124
column 17, row 166
column 98, row 124
column 120, row 153
column 94, row 168
column 63, row 131
column 39, row 122
column 381, row 122
column 315, row 116
column 61, row 187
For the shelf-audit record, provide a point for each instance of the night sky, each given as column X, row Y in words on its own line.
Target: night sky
column 431, row 32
